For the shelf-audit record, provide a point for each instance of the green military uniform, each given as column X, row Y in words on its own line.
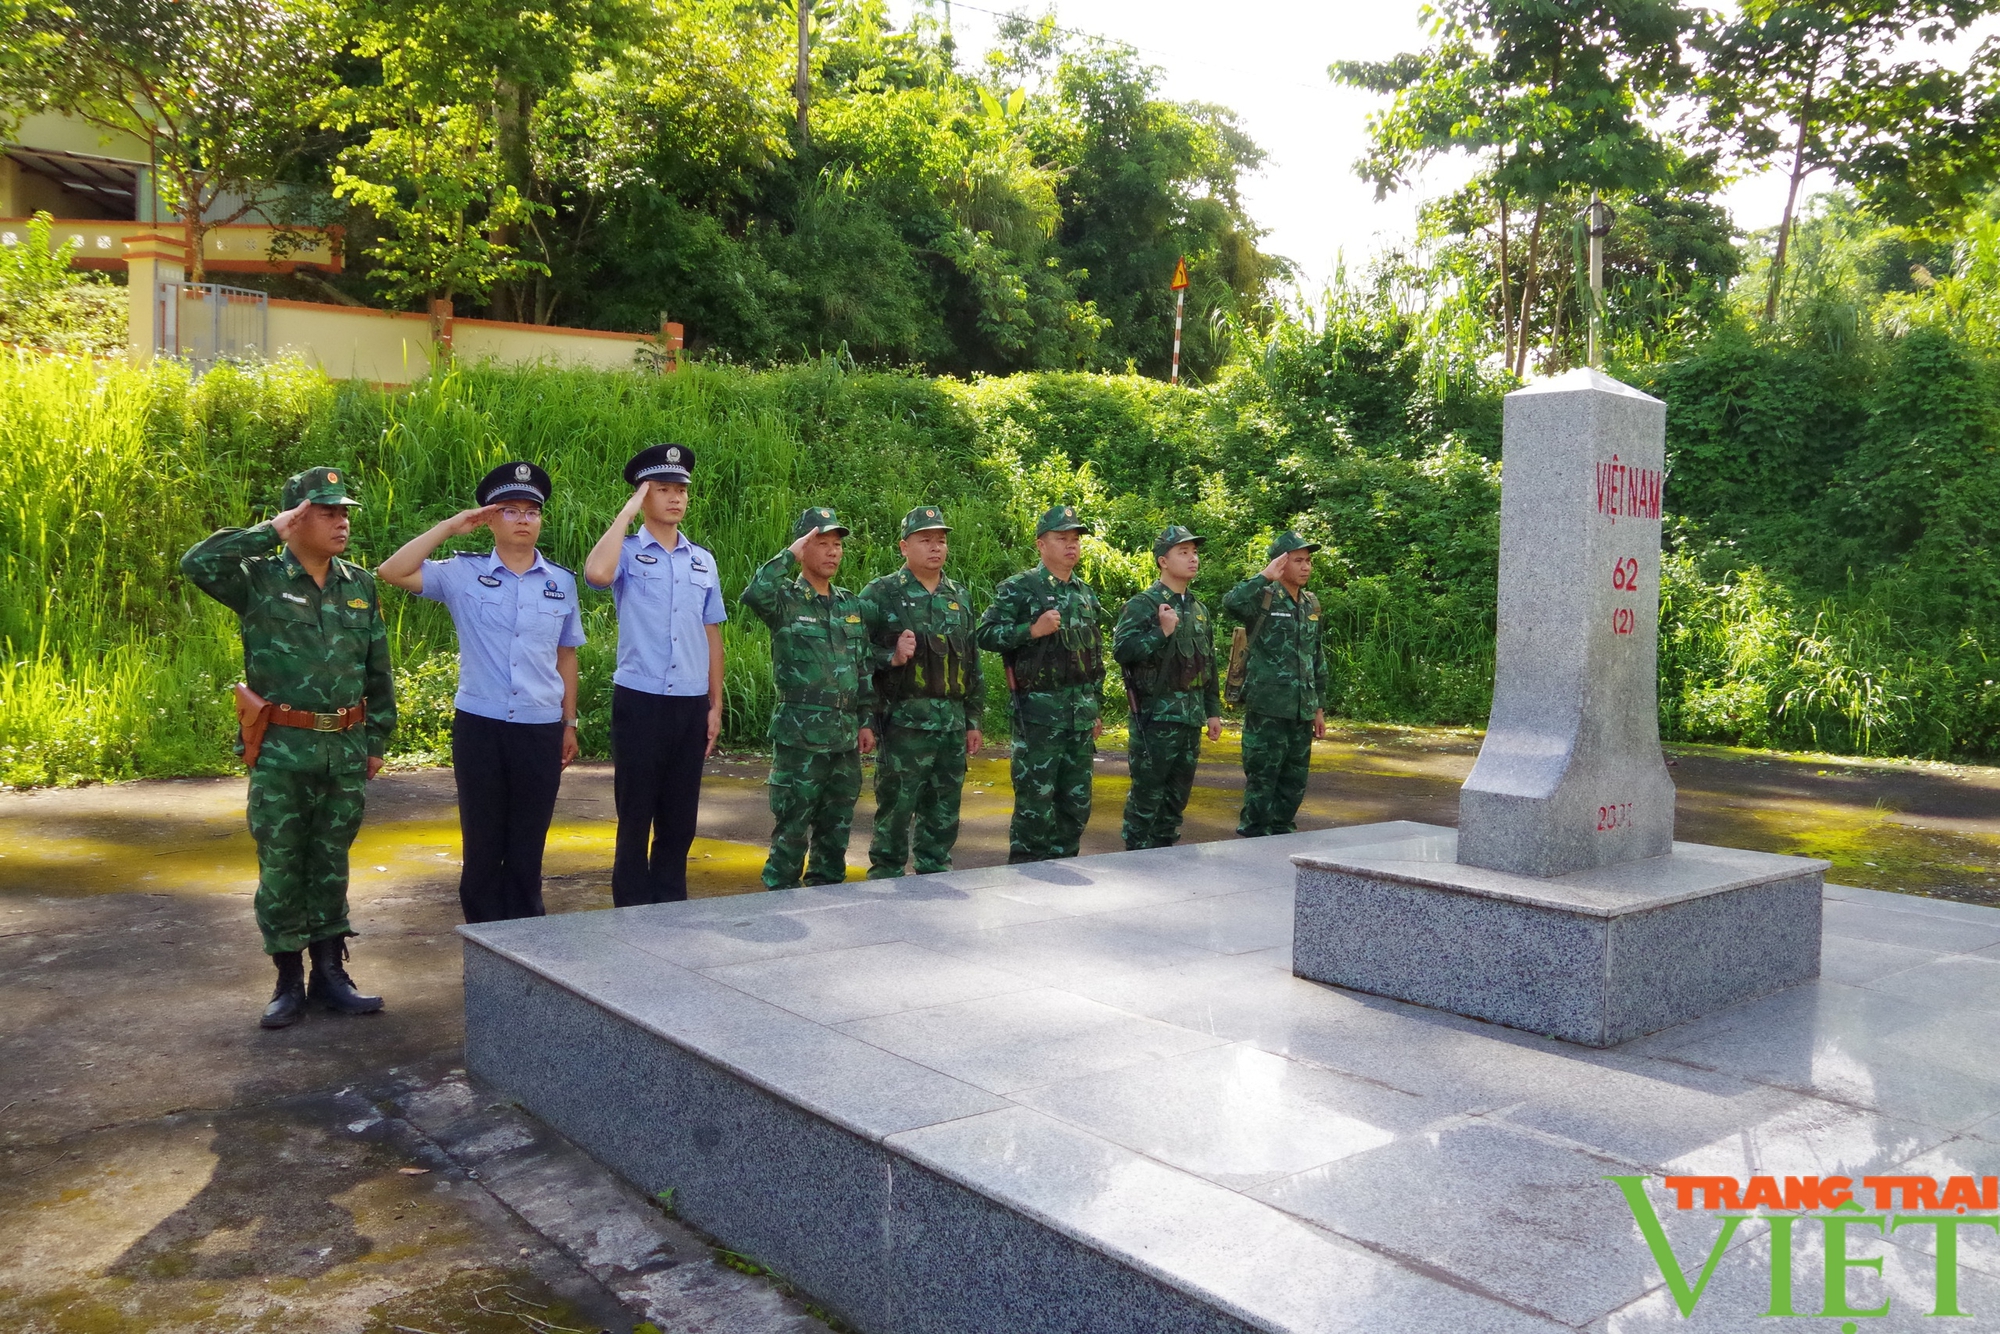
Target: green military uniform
column 926, row 707
column 1171, row 685
column 1057, row 685
column 1281, row 694
column 822, row 664
column 315, row 648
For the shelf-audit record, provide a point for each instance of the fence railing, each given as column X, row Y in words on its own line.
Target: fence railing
column 203, row 323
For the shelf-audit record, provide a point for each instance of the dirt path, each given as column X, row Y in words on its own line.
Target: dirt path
column 165, row 1165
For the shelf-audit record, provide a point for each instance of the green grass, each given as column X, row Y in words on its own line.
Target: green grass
column 113, row 666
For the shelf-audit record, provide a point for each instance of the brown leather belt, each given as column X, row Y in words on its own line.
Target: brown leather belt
column 338, row 721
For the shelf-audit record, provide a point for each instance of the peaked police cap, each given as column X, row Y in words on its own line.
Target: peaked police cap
column 513, row 481
column 660, row 463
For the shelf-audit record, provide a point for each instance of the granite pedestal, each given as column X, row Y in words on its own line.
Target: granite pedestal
column 1090, row 1096
column 1596, row 956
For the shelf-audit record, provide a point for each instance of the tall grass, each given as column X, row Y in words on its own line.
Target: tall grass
column 112, row 666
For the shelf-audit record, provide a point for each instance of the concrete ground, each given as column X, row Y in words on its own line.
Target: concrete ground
column 165, row 1165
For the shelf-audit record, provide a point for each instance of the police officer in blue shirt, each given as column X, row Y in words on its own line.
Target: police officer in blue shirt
column 666, row 697
column 514, row 731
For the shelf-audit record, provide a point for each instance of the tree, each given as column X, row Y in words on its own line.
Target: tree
column 1812, row 85
column 1144, row 181
column 1548, row 95
column 224, row 93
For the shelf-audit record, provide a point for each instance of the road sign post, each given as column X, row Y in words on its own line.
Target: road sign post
column 1180, row 303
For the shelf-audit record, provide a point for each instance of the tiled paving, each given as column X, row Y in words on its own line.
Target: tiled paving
column 896, row 1093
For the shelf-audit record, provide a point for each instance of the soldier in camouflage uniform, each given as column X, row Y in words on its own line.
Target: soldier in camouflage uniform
column 1165, row 642
column 1282, row 689
column 314, row 646
column 930, row 694
column 822, row 662
column 1047, row 626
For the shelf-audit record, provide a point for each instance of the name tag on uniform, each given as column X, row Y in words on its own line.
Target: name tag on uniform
column 807, row 620
column 1287, row 615
column 489, row 581
column 294, row 597
column 555, row 593
column 699, row 567
column 645, row 559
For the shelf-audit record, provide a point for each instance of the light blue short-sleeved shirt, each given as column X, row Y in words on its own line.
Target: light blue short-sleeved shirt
column 509, row 627
column 665, row 600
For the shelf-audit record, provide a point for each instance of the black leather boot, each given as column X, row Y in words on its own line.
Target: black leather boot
column 288, row 1002
column 331, row 986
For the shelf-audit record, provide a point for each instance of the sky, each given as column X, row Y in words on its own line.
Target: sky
column 1267, row 60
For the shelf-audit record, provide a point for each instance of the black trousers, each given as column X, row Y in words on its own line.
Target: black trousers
column 658, row 743
column 507, row 775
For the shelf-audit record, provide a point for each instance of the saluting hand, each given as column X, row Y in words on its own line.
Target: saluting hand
column 906, row 648
column 1169, row 620
column 282, row 523
column 470, row 521
column 798, row 548
column 637, row 499
column 1277, row 565
column 1046, row 624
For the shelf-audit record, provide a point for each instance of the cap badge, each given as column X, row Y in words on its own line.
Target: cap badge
column 333, row 477
column 1068, row 513
column 824, row 515
column 521, row 472
column 673, row 456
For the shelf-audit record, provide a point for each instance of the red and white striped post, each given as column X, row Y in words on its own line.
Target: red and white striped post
column 1180, row 303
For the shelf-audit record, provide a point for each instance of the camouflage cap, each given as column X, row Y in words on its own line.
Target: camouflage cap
column 817, row 519
column 1060, row 519
column 1172, row 536
column 322, row 486
column 923, row 519
column 1289, row 541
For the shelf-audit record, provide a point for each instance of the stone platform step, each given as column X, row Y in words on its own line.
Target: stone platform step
column 1091, row 1096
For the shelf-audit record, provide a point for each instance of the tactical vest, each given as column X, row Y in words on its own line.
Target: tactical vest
column 1179, row 664
column 1072, row 656
column 939, row 669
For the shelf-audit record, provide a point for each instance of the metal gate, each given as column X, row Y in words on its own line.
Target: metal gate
column 204, row 323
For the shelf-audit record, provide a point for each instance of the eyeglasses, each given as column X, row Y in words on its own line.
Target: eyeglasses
column 512, row 515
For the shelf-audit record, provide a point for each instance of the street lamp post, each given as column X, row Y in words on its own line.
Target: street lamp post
column 1597, row 221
